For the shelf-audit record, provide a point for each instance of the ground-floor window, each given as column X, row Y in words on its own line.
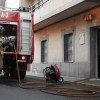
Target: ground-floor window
column 68, row 47
column 44, row 51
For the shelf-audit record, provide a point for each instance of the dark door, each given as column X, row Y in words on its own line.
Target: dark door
column 98, row 50
column 93, row 52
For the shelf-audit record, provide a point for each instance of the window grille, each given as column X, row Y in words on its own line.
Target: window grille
column 68, row 48
column 44, row 51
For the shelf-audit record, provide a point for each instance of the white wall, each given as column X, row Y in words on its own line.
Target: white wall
column 50, row 6
column 17, row 3
column 12, row 3
column 2, row 3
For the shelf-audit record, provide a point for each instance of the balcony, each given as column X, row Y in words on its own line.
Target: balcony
column 67, row 10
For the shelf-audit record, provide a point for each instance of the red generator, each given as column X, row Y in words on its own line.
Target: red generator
column 52, row 74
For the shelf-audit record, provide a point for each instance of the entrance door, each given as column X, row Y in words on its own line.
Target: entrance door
column 95, row 52
column 93, row 61
column 98, row 51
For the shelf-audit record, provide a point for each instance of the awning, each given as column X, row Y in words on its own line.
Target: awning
column 66, row 11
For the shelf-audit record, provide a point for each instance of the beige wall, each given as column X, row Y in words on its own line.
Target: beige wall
column 55, row 48
column 55, row 42
column 26, row 3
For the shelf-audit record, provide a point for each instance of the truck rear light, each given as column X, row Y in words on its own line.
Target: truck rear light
column 23, row 57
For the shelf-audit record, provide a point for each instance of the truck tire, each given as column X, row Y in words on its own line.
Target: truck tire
column 22, row 74
column 14, row 74
column 6, row 74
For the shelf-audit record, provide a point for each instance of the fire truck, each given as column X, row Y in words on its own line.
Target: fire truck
column 18, row 39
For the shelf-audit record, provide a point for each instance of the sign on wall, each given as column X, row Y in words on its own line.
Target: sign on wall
column 82, row 38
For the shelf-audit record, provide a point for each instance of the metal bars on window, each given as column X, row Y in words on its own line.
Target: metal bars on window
column 44, row 51
column 68, row 48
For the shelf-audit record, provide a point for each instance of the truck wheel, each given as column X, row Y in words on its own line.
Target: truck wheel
column 6, row 74
column 14, row 74
column 22, row 74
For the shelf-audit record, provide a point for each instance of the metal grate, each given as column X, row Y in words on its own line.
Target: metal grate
column 68, row 45
column 44, row 51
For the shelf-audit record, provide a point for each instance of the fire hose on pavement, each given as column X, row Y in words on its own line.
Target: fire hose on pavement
column 53, row 88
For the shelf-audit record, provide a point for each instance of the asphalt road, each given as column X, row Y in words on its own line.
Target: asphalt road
column 10, row 90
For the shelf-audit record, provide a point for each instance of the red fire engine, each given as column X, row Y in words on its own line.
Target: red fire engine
column 18, row 30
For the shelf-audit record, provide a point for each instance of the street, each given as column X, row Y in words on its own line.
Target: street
column 10, row 90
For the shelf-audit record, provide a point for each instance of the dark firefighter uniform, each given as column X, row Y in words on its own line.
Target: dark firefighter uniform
column 1, row 50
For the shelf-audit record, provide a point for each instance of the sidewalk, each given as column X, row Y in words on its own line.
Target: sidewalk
column 89, row 82
column 66, row 78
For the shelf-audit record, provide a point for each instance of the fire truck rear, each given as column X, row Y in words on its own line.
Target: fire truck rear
column 18, row 39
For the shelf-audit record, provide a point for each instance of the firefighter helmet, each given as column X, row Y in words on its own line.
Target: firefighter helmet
column 1, row 29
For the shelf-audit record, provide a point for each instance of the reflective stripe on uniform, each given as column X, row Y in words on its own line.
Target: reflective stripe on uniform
column 1, row 40
column 1, row 52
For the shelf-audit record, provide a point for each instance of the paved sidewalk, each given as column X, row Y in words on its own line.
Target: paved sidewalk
column 89, row 82
column 66, row 78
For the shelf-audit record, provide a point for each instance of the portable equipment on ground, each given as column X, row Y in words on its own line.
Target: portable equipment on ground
column 52, row 74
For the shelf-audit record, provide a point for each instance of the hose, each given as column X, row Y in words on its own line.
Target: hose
column 17, row 64
column 71, row 92
column 53, row 88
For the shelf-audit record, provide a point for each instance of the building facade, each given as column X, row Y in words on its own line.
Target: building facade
column 66, row 33
column 19, row 3
column 2, row 4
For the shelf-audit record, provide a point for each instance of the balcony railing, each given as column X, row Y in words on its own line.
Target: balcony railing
column 21, row 9
column 37, row 5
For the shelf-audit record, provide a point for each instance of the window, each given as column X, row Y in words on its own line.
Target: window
column 44, row 51
column 68, row 48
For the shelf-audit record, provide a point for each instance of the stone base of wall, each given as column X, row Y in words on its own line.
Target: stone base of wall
column 77, row 69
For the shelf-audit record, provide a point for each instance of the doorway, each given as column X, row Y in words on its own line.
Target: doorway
column 98, row 51
column 95, row 52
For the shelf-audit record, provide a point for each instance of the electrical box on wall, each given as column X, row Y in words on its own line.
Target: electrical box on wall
column 82, row 38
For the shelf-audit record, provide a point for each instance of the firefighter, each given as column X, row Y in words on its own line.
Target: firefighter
column 1, row 50
column 14, row 31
